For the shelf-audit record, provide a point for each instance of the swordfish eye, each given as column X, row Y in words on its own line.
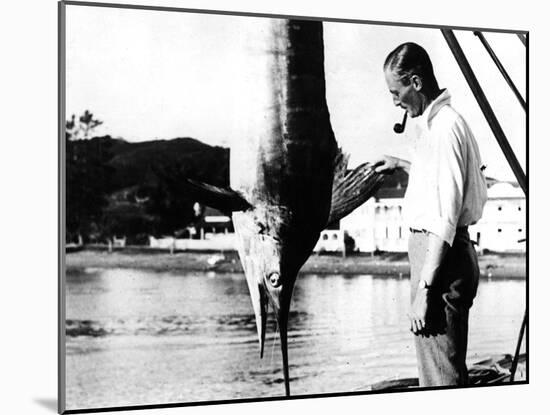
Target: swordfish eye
column 275, row 279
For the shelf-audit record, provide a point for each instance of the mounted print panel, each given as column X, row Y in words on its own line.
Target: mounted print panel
column 260, row 207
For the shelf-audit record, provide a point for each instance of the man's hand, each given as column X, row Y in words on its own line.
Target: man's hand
column 388, row 164
column 419, row 311
column 435, row 254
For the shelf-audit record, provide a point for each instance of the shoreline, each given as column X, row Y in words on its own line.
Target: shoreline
column 389, row 264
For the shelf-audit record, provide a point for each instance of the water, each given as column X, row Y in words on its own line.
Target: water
column 139, row 337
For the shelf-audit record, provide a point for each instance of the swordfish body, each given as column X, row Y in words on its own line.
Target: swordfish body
column 289, row 180
column 292, row 186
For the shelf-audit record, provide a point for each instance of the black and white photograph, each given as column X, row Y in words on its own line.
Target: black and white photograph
column 217, row 206
column 261, row 207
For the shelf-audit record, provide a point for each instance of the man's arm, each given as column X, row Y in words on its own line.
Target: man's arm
column 450, row 172
column 437, row 248
column 388, row 164
column 435, row 253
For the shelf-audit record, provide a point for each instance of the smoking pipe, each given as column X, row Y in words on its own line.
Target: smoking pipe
column 399, row 128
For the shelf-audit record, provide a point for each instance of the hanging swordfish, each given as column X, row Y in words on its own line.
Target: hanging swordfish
column 289, row 180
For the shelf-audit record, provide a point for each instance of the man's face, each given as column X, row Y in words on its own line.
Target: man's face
column 405, row 96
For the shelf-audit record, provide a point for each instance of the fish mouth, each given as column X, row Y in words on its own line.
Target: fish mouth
column 279, row 297
column 271, row 263
column 273, row 292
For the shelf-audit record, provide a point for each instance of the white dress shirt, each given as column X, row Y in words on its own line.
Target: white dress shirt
column 447, row 187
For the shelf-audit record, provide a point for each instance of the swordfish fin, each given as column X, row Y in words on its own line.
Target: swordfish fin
column 350, row 189
column 225, row 200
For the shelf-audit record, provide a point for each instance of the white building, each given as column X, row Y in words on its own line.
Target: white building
column 502, row 226
column 378, row 224
column 212, row 232
column 331, row 240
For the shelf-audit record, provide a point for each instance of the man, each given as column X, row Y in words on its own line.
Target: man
column 446, row 193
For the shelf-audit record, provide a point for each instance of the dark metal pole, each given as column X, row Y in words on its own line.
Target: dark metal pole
column 522, row 38
column 502, row 141
column 518, row 346
column 501, row 68
column 485, row 107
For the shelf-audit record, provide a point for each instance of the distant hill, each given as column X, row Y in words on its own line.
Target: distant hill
column 141, row 183
column 141, row 163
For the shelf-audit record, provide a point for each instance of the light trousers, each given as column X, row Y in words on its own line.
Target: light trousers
column 441, row 350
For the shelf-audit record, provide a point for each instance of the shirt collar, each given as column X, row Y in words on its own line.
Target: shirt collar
column 444, row 98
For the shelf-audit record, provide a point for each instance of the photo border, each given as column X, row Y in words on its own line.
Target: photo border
column 62, row 198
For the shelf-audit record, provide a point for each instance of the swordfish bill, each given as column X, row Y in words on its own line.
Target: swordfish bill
column 288, row 175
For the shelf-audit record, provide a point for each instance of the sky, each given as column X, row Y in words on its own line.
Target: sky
column 160, row 75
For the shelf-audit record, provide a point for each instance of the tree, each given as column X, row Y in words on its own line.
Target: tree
column 168, row 203
column 87, row 176
column 81, row 131
column 70, row 128
column 88, row 123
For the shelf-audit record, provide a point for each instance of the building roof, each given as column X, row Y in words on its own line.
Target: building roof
column 209, row 211
column 504, row 190
column 391, row 193
column 394, row 186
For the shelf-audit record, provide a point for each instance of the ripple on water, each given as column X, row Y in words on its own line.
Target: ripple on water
column 140, row 338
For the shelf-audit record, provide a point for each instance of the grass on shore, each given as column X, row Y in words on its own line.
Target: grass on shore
column 491, row 265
